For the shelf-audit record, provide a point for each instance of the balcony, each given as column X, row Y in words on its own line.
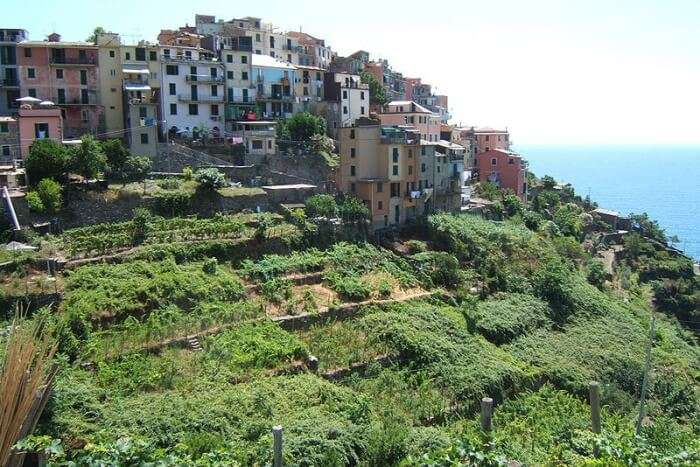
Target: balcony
column 9, row 83
column 202, row 99
column 275, row 96
column 400, row 139
column 143, row 101
column 204, row 79
column 19, row 37
column 73, row 61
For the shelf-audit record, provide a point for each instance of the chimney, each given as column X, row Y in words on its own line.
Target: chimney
column 54, row 37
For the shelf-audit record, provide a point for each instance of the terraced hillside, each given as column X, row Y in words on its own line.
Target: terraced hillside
column 184, row 341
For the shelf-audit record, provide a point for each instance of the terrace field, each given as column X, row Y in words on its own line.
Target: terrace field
column 184, row 340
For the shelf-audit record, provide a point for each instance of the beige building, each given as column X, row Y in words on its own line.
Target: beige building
column 413, row 114
column 308, row 89
column 130, row 88
column 379, row 165
column 259, row 138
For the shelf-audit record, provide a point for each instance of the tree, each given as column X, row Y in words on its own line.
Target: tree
column 321, row 205
column 548, row 182
column 301, row 127
column 116, row 154
column 512, row 205
column 568, row 219
column 596, row 273
column 95, row 32
column 648, row 227
column 377, row 95
column 88, row 159
column 352, row 209
column 46, row 159
column 136, row 168
column 210, row 179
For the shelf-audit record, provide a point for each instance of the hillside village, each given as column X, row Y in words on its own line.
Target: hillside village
column 241, row 248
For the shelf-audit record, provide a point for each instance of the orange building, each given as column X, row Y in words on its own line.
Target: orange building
column 409, row 113
column 38, row 123
column 504, row 168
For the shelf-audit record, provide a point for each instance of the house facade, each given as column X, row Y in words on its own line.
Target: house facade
column 504, row 168
column 413, row 114
column 346, row 98
column 67, row 74
column 192, row 97
column 274, row 81
column 9, row 69
column 9, row 139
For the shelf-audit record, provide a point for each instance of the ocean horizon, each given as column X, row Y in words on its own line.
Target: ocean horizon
column 661, row 180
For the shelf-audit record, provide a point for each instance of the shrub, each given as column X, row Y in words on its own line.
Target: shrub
column 88, row 159
column 301, row 127
column 596, row 273
column 512, row 205
column 210, row 179
column 47, row 158
column 532, row 220
column 172, row 203
column 321, row 205
column 47, row 197
column 187, row 173
column 506, row 316
column 350, row 287
column 416, row 246
column 140, row 225
column 210, row 266
column 441, row 268
column 277, row 289
column 169, row 183
column 136, row 168
column 116, row 154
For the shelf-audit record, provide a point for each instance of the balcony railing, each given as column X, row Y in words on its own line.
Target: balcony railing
column 205, row 79
column 275, row 96
column 73, row 61
column 399, row 139
column 14, row 82
column 259, row 133
column 204, row 99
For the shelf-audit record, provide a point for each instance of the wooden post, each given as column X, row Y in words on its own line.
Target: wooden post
column 594, row 398
column 277, row 445
column 486, row 409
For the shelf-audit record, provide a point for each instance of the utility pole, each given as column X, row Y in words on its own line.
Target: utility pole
column 645, row 380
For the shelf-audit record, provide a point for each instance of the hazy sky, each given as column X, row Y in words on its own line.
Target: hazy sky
column 584, row 71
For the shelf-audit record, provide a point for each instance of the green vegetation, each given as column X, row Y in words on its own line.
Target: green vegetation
column 377, row 95
column 301, row 127
column 46, row 198
column 210, row 179
column 47, row 159
column 193, row 337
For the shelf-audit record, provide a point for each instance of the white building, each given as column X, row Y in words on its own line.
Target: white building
column 274, row 81
column 192, row 90
column 347, row 99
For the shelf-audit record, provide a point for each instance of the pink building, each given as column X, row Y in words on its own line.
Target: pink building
column 489, row 138
column 412, row 114
column 410, row 83
column 504, row 168
column 38, row 123
column 65, row 73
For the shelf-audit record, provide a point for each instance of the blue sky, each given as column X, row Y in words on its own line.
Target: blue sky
column 560, row 71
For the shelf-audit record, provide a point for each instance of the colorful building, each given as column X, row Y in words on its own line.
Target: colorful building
column 411, row 113
column 504, row 168
column 379, row 165
column 9, row 72
column 346, row 98
column 65, row 73
column 192, row 97
column 39, row 122
column 313, row 52
column 274, row 81
column 487, row 138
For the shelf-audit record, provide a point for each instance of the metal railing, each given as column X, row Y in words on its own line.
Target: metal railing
column 73, row 61
column 205, row 79
column 205, row 99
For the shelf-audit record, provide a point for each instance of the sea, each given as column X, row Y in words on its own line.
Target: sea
column 663, row 181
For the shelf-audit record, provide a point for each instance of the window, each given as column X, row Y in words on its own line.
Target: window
column 395, row 170
column 59, row 73
column 112, row 72
column 229, row 58
column 31, row 72
column 244, row 59
column 144, row 138
column 269, row 144
column 272, row 42
column 83, row 77
column 493, row 161
column 143, row 112
column 487, row 137
column 362, row 95
column 380, row 205
column 257, row 38
column 140, row 54
column 395, row 155
column 345, row 109
column 244, row 75
column 173, row 109
column 188, row 54
column 172, row 89
column 171, row 70
column 84, row 96
column 410, row 170
column 345, row 94
column 111, row 54
column 511, row 161
column 229, row 74
column 31, row 92
column 194, row 109
column 61, row 96
column 352, row 170
column 395, row 190
column 422, row 167
column 6, row 150
column 352, row 133
column 153, row 55
column 257, row 144
column 362, row 110
column 128, row 55
column 214, row 91
column 215, row 110
column 27, row 52
column 352, row 152
column 380, row 187
column 4, row 127
column 306, row 91
column 166, row 53
column 289, row 58
column 41, row 130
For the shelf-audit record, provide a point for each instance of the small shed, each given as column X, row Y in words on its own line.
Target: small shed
column 614, row 219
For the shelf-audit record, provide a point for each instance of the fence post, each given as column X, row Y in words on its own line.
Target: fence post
column 594, row 398
column 486, row 409
column 277, row 445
